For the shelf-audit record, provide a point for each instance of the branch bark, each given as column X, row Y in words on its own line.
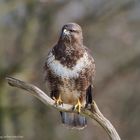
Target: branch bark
column 93, row 113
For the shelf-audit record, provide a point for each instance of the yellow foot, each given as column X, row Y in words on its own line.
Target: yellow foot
column 78, row 106
column 58, row 101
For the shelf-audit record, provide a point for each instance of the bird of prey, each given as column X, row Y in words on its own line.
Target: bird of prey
column 69, row 73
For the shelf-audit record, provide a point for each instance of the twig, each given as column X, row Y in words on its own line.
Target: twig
column 93, row 113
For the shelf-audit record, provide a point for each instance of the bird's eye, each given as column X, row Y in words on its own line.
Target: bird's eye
column 72, row 30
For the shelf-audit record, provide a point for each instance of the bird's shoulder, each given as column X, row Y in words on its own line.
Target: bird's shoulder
column 90, row 55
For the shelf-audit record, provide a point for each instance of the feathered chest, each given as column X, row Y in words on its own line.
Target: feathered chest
column 61, row 70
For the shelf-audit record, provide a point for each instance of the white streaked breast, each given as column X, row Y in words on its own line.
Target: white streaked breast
column 63, row 71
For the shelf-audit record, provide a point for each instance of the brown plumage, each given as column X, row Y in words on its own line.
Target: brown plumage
column 70, row 70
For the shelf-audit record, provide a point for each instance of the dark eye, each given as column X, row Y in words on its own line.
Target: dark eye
column 72, row 30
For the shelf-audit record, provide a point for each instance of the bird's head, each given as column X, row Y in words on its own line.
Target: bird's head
column 71, row 33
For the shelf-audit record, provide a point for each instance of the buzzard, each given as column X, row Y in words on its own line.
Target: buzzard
column 69, row 73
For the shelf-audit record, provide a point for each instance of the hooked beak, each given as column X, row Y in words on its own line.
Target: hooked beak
column 66, row 32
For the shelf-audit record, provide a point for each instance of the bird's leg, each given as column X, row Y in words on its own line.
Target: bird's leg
column 78, row 106
column 58, row 101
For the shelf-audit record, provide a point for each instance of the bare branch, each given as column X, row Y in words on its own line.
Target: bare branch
column 93, row 113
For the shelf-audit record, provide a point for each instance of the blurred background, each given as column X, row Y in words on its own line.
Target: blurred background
column 111, row 28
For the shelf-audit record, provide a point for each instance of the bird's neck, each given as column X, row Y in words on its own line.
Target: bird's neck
column 68, row 54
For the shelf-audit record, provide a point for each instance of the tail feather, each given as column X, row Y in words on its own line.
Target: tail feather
column 73, row 120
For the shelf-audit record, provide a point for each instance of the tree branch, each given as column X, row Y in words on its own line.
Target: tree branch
column 93, row 113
